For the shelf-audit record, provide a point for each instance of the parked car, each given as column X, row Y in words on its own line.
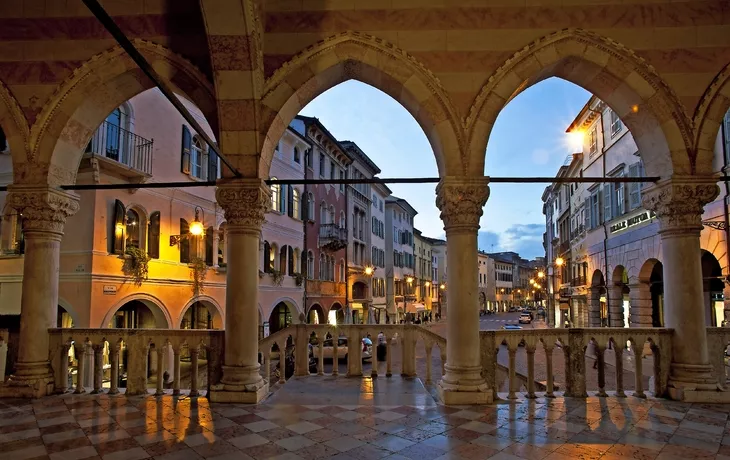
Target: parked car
column 513, row 309
column 511, row 327
column 525, row 318
column 342, row 348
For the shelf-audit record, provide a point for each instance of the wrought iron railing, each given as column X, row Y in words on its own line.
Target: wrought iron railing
column 125, row 147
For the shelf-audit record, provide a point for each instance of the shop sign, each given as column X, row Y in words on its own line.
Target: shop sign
column 632, row 221
column 266, row 329
column 109, row 290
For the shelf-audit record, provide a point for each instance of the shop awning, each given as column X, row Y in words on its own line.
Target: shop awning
column 415, row 307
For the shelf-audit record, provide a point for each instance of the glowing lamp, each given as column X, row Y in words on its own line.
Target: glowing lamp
column 541, row 274
column 409, row 279
column 575, row 140
column 196, row 228
column 559, row 261
column 428, row 284
column 443, row 286
column 369, row 271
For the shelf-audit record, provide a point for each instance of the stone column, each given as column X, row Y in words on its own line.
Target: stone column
column 461, row 201
column 594, row 307
column 641, row 308
column 616, row 305
column 678, row 204
column 44, row 211
column 245, row 202
column 216, row 241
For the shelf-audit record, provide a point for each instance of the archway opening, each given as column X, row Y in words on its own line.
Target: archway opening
column 336, row 315
column 201, row 315
column 656, row 287
column 597, row 306
column 64, row 318
column 316, row 315
column 619, row 305
column 713, row 285
column 139, row 314
column 280, row 318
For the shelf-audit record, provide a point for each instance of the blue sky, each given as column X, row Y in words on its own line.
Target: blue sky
column 528, row 140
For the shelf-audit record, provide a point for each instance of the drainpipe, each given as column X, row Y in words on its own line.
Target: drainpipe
column 605, row 227
column 348, row 313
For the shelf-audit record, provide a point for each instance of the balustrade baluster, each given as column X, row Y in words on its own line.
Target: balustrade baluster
column 638, row 370
column 388, row 352
column 530, row 371
column 549, row 393
column 429, row 349
column 600, row 359
column 160, row 378
column 194, row 371
column 374, row 360
column 114, row 374
column 98, row 367
column 282, row 363
column 267, row 364
column 80, row 350
column 63, row 369
column 618, row 350
column 442, row 351
column 320, row 355
column 176, row 371
column 335, row 354
column 512, row 378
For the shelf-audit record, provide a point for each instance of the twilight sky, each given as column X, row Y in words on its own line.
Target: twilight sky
column 528, row 140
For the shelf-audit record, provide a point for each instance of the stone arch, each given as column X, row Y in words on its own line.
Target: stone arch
column 63, row 303
column 216, row 311
column 163, row 320
column 371, row 60
column 708, row 116
column 340, row 312
column 317, row 310
column 14, row 124
column 615, row 74
column 86, row 97
column 713, row 241
column 650, row 303
column 296, row 308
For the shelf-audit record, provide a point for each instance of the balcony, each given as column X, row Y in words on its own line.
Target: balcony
column 332, row 237
column 578, row 281
column 564, row 247
column 121, row 152
column 325, row 288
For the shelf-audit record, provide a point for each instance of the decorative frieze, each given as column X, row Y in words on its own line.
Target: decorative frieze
column 461, row 201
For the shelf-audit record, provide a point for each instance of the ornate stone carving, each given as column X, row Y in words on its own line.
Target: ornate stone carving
column 244, row 202
column 461, row 201
column 44, row 209
column 679, row 203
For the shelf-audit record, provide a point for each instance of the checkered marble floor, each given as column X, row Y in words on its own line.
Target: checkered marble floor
column 131, row 428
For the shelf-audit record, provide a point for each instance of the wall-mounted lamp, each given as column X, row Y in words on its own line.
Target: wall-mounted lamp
column 195, row 228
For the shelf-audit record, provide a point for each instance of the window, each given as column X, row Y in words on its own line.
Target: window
column 332, row 170
column 310, row 206
column 184, row 242
column 297, row 157
column 616, row 124
column 308, row 157
column 295, row 204
column 342, row 176
column 275, row 195
column 321, row 165
column 283, row 259
column 323, row 213
column 209, row 260
column 342, row 219
column 310, row 265
column 132, row 229
column 634, row 187
column 153, row 236
column 607, row 203
column 595, row 208
column 196, row 158
column 283, row 197
column 618, row 197
column 593, row 141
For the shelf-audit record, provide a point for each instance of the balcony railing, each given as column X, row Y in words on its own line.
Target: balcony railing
column 115, row 143
column 564, row 247
column 327, row 288
column 578, row 281
column 332, row 237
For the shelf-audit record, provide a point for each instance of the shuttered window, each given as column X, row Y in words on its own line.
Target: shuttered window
column 153, row 236
column 607, row 203
column 187, row 141
column 118, row 227
column 184, row 242
column 634, row 187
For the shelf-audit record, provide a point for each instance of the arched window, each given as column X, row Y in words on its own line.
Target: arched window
column 282, row 259
column 267, row 256
column 275, row 193
column 342, row 271
column 295, row 204
column 184, row 242
column 310, row 206
column 132, row 229
column 153, row 236
column 196, row 158
column 331, row 215
column 209, row 259
column 310, row 265
column 297, row 261
column 297, row 157
column 323, row 213
column 283, row 198
column 322, row 267
column 273, row 251
column 222, row 245
column 342, row 219
column 291, row 261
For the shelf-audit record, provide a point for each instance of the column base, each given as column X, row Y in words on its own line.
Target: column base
column 464, row 385
column 693, row 377
column 698, row 396
column 240, row 384
column 31, row 380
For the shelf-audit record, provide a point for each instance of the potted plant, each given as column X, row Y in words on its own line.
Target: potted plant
column 299, row 278
column 277, row 277
column 198, row 270
column 136, row 265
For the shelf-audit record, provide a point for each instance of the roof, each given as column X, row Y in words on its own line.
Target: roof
column 357, row 153
column 392, row 199
column 315, row 121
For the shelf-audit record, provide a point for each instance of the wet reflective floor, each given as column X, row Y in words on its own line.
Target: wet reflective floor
column 295, row 424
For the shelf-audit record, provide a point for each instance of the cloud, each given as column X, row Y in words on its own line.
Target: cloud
column 524, row 239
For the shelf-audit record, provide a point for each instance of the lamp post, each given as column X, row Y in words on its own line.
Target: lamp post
column 369, row 272
column 559, row 261
column 409, row 281
column 442, row 288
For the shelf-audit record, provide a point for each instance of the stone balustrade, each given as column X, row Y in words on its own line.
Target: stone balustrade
column 718, row 340
column 136, row 351
column 295, row 340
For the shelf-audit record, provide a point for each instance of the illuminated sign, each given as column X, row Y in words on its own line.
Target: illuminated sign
column 632, row 221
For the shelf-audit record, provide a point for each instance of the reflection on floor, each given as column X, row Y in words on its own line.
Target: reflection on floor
column 319, row 418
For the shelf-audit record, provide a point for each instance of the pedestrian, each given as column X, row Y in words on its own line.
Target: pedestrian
column 381, row 349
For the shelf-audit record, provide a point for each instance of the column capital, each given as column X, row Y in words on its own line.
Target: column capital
column 44, row 208
column 679, row 202
column 461, row 201
column 244, row 202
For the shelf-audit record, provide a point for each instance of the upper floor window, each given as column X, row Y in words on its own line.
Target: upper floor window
column 342, row 177
column 333, row 170
column 297, row 157
column 133, row 229
column 321, row 165
column 310, row 206
column 295, row 204
column 196, row 158
column 593, row 141
column 275, row 196
column 616, row 124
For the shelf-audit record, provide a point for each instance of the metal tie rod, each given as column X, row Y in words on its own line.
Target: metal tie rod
column 109, row 24
column 374, row 180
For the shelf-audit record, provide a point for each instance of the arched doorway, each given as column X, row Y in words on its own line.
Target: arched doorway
column 64, row 318
column 201, row 315
column 336, row 314
column 280, row 318
column 656, row 287
column 316, row 315
column 597, row 306
column 618, row 303
column 713, row 285
column 138, row 314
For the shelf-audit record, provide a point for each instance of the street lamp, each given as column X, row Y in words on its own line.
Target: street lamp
column 196, row 228
column 442, row 288
column 409, row 280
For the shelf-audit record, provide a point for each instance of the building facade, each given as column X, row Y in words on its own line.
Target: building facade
column 399, row 285
column 425, row 285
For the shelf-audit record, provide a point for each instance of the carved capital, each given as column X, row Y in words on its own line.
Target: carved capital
column 244, row 202
column 461, row 201
column 44, row 209
column 679, row 202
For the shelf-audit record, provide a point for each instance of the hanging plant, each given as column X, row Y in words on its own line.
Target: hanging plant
column 299, row 278
column 198, row 270
column 277, row 277
column 136, row 265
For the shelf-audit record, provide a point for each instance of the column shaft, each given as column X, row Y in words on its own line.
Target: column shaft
column 641, row 307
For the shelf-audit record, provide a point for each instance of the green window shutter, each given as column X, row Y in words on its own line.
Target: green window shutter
column 118, row 227
column 187, row 141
